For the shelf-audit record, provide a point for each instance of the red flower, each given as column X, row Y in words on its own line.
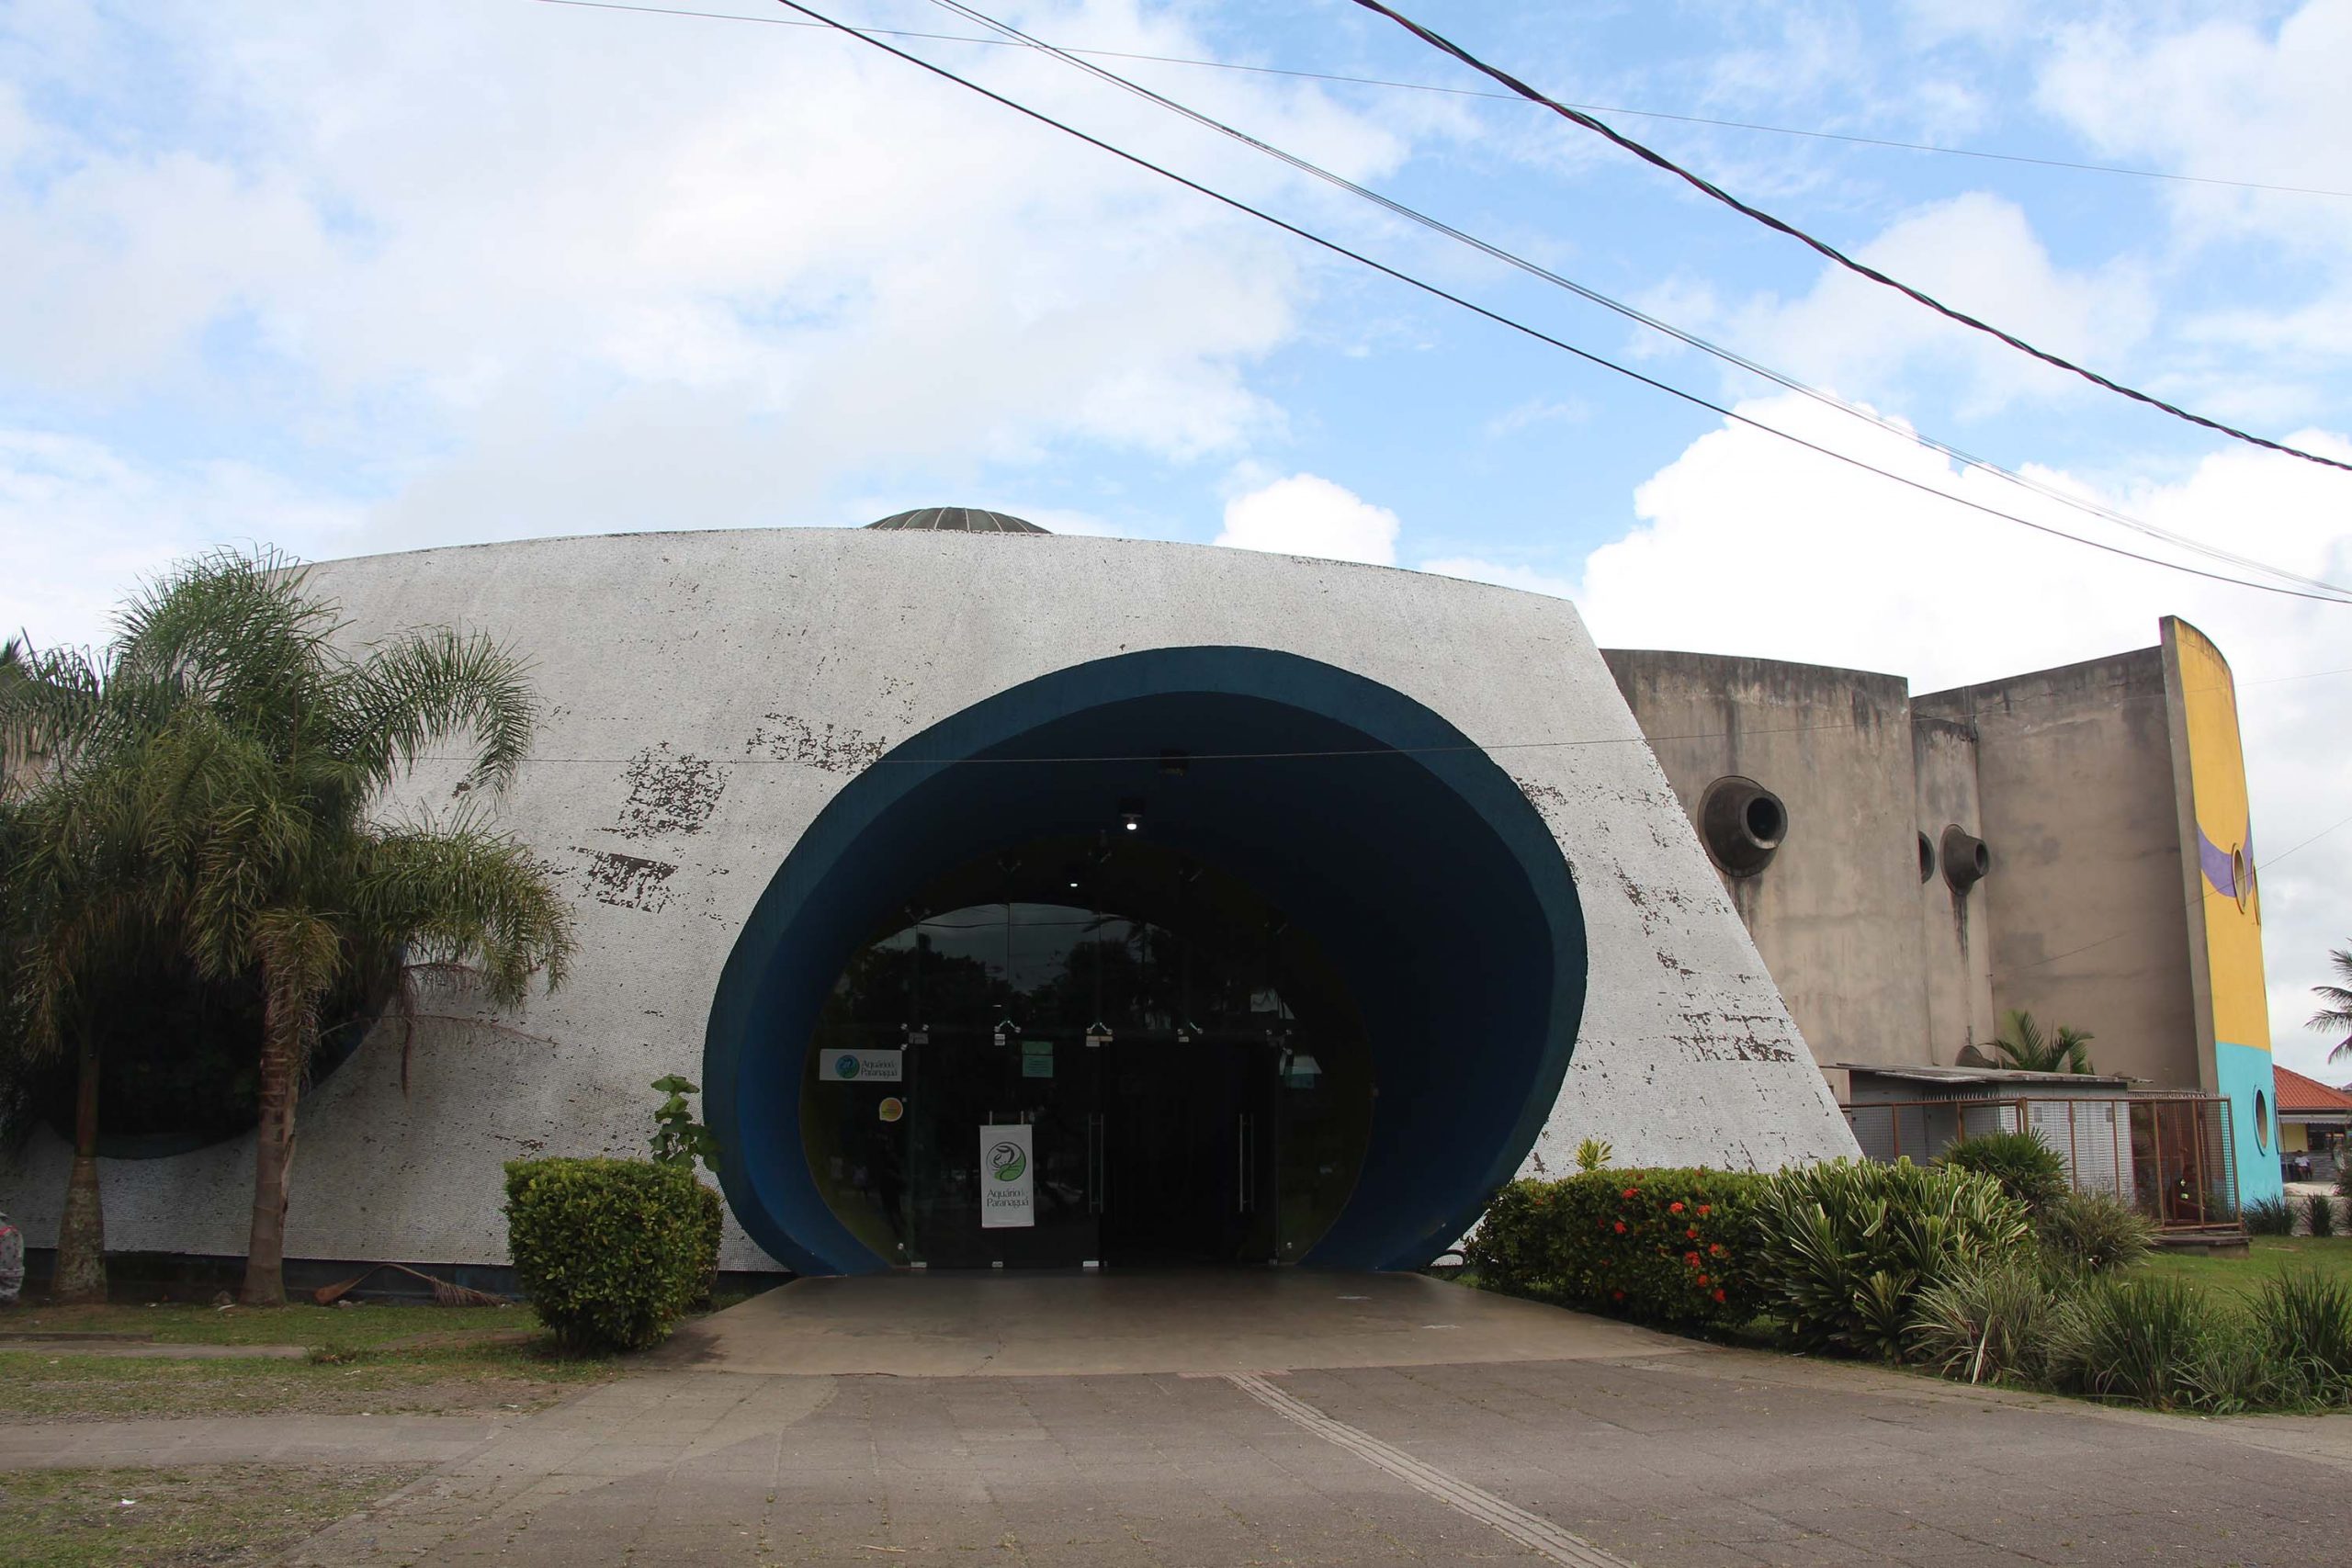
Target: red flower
column 1620, row 1227
column 1633, row 1192
column 1703, row 1282
column 1691, row 1259
column 1674, row 1208
column 1616, row 1295
column 1719, row 1295
column 1702, row 1211
column 1717, row 1250
column 1692, row 1233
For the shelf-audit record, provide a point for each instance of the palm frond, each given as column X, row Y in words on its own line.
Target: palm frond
column 464, row 895
column 429, row 687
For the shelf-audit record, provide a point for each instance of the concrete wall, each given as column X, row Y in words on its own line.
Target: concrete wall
column 2075, row 770
column 1835, row 913
column 1955, row 926
column 708, row 693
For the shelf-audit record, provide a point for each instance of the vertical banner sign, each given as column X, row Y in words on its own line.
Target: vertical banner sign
column 1008, row 1178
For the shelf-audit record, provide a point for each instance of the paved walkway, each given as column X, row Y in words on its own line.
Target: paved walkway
column 1656, row 1454
column 1189, row 1321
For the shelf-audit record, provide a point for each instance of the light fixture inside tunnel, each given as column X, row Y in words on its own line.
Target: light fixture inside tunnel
column 1131, row 815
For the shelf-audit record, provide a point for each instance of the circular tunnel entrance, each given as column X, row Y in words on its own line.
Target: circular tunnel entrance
column 1349, row 877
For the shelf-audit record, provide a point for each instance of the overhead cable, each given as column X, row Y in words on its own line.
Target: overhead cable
column 1859, row 268
column 1435, row 291
column 1411, row 214
column 1342, row 79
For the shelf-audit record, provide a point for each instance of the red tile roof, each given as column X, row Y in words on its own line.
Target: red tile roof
column 2295, row 1093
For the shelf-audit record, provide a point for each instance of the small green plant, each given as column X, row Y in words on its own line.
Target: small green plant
column 1986, row 1324
column 678, row 1138
column 2149, row 1340
column 2344, row 1173
column 2028, row 1170
column 2319, row 1214
column 2303, row 1320
column 1594, row 1154
column 610, row 1251
column 2269, row 1216
column 2094, row 1233
column 2020, row 1044
column 1844, row 1249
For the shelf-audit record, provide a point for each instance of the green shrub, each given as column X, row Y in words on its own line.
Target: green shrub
column 2269, row 1216
column 1845, row 1248
column 2319, row 1214
column 2152, row 1341
column 1989, row 1323
column 2028, row 1170
column 610, row 1251
column 2344, row 1173
column 2094, row 1233
column 2303, row 1321
column 1672, row 1247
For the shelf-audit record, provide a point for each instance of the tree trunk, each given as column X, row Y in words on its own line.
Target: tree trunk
column 281, row 1070
column 81, row 1230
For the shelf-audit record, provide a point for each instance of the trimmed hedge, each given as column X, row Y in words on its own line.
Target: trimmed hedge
column 611, row 1252
column 1668, row 1246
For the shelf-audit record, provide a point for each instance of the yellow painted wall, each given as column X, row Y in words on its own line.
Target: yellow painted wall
column 2233, row 897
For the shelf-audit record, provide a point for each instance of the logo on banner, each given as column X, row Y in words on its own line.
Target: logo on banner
column 1009, row 1187
column 852, row 1066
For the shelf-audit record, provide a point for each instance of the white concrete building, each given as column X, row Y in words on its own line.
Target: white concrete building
column 1254, row 908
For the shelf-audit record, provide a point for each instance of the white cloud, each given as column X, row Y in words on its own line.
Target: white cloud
column 1747, row 545
column 1308, row 515
column 551, row 270
column 81, row 524
column 1977, row 253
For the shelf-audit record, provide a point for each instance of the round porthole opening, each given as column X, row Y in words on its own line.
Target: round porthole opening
column 2261, row 1122
column 1966, row 860
column 1742, row 824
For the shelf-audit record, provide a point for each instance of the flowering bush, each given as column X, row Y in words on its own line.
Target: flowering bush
column 1669, row 1247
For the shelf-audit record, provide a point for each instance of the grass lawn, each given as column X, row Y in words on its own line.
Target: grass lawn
column 2269, row 1256
column 211, row 1515
column 364, row 1359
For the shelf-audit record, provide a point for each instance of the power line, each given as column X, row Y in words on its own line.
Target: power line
column 1693, row 399
column 1863, row 269
column 2047, row 492
column 1751, row 732
column 1433, row 87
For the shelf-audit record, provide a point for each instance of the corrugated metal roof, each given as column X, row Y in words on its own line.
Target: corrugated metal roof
column 959, row 520
column 1971, row 1075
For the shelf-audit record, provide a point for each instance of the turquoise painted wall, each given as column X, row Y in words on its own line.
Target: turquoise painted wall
column 2243, row 1073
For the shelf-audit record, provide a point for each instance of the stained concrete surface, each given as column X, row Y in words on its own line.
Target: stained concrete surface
column 1629, row 1447
column 1179, row 1321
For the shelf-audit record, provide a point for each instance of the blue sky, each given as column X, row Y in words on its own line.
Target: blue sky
column 357, row 278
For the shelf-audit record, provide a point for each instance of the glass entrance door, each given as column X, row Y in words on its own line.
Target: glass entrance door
column 976, row 1110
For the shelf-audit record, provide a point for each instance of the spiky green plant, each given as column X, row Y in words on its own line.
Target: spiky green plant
column 2303, row 1319
column 2094, row 1233
column 2150, row 1340
column 2319, row 1214
column 1846, row 1247
column 2028, row 1168
column 2269, row 1216
column 2022, row 1045
column 1986, row 1323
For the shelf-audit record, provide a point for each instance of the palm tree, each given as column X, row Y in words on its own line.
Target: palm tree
column 78, row 898
column 267, row 827
column 2022, row 1045
column 2336, row 1018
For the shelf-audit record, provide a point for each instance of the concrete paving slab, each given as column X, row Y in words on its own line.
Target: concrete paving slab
column 1199, row 1322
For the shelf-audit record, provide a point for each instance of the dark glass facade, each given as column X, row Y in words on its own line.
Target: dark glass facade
column 1193, row 1075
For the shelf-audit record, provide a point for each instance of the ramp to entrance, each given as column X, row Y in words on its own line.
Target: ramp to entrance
column 1210, row 1321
